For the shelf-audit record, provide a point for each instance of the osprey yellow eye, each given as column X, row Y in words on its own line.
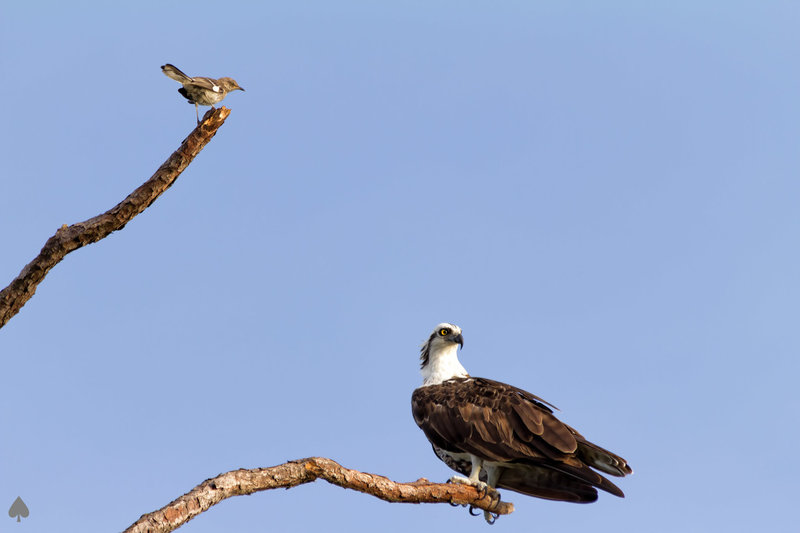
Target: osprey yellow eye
column 444, row 331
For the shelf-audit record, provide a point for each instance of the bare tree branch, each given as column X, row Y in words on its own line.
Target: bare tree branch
column 70, row 238
column 293, row 473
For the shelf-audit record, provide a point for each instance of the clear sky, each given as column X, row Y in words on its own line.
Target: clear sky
column 605, row 199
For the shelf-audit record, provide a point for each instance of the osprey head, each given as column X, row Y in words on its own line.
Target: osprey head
column 439, row 355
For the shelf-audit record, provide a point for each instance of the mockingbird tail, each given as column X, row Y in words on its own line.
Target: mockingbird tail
column 175, row 73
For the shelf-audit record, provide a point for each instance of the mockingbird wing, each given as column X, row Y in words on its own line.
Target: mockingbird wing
column 209, row 84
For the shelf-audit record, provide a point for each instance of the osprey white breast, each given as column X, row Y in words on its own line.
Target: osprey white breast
column 440, row 355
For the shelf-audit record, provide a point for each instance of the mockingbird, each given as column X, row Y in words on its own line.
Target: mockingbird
column 201, row 91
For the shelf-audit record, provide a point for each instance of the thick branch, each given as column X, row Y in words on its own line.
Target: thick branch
column 70, row 238
column 293, row 473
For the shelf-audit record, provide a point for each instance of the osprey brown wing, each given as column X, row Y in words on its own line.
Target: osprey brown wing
column 501, row 423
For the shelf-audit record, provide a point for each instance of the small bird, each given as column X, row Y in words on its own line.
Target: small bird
column 502, row 436
column 201, row 91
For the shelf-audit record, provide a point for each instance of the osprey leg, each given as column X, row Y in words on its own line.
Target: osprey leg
column 492, row 477
column 488, row 489
column 474, row 478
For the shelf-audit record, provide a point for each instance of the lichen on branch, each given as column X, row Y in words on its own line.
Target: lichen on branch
column 288, row 475
column 69, row 238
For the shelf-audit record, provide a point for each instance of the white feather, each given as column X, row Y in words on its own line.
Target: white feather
column 443, row 361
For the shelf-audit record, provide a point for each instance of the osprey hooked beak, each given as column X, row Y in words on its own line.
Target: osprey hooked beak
column 460, row 340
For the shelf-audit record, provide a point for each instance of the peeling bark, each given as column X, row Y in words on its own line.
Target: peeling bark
column 293, row 473
column 70, row 238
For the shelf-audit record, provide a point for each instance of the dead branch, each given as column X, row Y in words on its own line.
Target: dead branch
column 293, row 473
column 70, row 238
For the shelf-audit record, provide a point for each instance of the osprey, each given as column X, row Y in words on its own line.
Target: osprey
column 502, row 436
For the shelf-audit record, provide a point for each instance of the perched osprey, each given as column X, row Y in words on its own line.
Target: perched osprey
column 502, row 436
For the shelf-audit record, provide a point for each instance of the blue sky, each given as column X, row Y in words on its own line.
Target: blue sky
column 604, row 198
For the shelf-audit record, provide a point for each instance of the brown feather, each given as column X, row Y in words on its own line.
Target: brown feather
column 601, row 459
column 549, row 484
column 503, row 424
